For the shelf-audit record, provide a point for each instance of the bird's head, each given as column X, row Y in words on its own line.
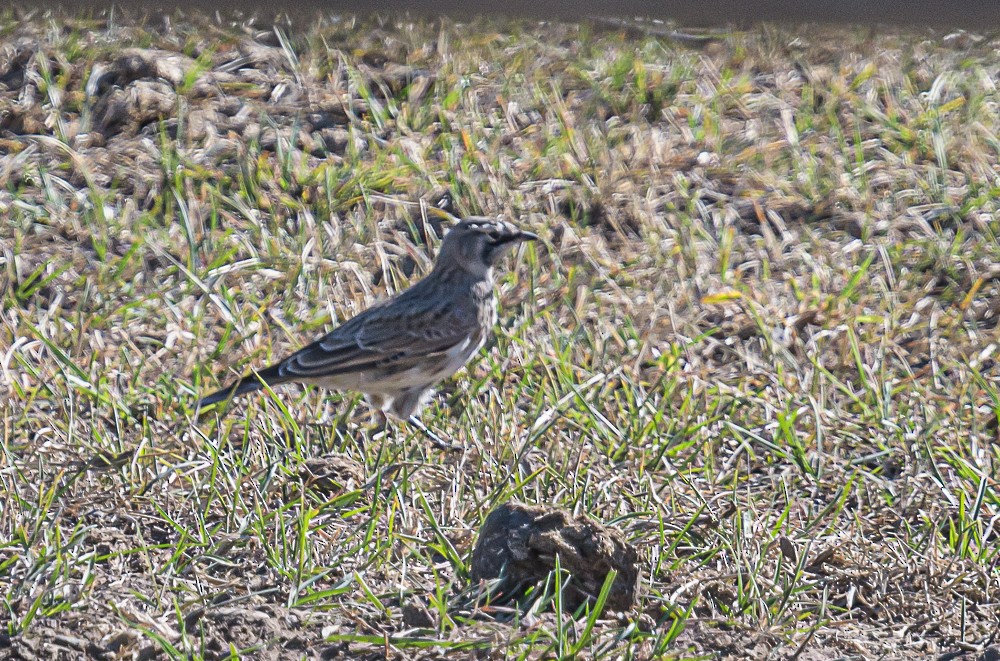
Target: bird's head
column 476, row 244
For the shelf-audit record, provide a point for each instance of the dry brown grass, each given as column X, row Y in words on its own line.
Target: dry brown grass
column 758, row 340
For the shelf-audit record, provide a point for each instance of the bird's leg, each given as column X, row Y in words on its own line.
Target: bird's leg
column 379, row 422
column 376, row 416
column 434, row 438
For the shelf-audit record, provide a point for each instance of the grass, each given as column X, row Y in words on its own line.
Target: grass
column 758, row 337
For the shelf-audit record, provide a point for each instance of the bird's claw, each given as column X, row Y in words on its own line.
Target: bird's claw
column 434, row 438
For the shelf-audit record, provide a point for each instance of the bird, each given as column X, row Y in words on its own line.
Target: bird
column 397, row 350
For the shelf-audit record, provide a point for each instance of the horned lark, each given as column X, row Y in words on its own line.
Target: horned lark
column 395, row 351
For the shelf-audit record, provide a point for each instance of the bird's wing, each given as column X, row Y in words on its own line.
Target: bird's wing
column 387, row 337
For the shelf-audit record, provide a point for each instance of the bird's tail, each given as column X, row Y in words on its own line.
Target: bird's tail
column 249, row 383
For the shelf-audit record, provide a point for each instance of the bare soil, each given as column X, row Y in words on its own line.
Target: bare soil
column 757, row 344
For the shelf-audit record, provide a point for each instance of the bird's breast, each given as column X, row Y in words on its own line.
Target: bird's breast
column 486, row 307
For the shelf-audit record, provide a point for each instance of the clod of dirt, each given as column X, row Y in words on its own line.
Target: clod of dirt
column 519, row 543
column 990, row 654
column 332, row 475
column 19, row 120
column 144, row 101
column 14, row 73
column 416, row 614
column 138, row 63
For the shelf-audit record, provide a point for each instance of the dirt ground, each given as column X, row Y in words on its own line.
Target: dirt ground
column 757, row 340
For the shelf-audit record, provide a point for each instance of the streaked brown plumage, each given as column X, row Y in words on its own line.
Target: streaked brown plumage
column 395, row 351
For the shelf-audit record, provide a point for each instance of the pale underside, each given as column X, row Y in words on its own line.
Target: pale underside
column 401, row 393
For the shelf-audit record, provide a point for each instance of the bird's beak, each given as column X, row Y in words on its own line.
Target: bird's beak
column 527, row 236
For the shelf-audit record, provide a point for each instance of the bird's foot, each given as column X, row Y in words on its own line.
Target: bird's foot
column 434, row 438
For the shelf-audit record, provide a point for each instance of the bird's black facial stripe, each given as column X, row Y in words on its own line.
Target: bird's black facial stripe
column 498, row 238
column 493, row 246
